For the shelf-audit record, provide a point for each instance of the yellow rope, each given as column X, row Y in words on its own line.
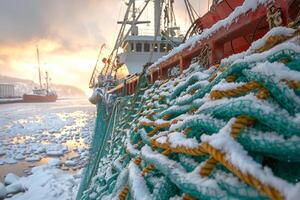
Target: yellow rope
column 293, row 84
column 166, row 124
column 166, row 152
column 193, row 110
column 123, row 194
column 148, row 169
column 136, row 129
column 218, row 94
column 188, row 197
column 137, row 145
column 186, row 131
column 161, row 98
column 208, row 167
column 212, row 77
column 150, row 116
column 217, row 156
column 272, row 41
column 153, row 132
column 167, row 117
column 197, row 151
column 158, row 125
column 151, row 167
column 164, row 81
column 141, row 142
column 123, row 157
column 192, row 91
column 240, row 123
column 262, row 93
column 230, row 78
column 272, row 192
column 137, row 160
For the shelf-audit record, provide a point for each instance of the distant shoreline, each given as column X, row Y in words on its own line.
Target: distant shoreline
column 20, row 100
column 11, row 100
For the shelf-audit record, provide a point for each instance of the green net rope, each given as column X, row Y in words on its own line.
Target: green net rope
column 123, row 149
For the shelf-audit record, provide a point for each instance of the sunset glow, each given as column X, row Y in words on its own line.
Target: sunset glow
column 68, row 37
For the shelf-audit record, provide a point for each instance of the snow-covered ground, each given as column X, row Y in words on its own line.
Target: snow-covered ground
column 53, row 136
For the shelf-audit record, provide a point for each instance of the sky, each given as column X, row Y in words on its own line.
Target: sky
column 68, row 34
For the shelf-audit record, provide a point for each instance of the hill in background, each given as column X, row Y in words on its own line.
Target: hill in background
column 25, row 86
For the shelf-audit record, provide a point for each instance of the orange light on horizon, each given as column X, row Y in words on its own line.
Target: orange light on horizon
column 65, row 67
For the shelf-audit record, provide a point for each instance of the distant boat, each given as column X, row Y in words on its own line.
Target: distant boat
column 41, row 94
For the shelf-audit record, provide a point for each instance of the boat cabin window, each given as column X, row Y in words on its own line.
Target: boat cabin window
column 155, row 47
column 132, row 47
column 39, row 91
column 138, row 47
column 146, row 47
column 169, row 47
column 163, row 47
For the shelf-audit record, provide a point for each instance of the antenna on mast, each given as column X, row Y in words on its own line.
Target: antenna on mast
column 96, row 69
column 38, row 58
column 47, row 82
column 157, row 17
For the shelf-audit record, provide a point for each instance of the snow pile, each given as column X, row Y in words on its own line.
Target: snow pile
column 47, row 183
column 54, row 162
column 56, row 150
column 3, row 191
column 11, row 178
column 277, row 31
column 277, row 70
column 137, row 183
column 223, row 86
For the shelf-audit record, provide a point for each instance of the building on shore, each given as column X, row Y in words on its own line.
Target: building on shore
column 7, row 90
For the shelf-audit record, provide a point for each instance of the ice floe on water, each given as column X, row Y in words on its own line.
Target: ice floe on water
column 47, row 182
column 45, row 146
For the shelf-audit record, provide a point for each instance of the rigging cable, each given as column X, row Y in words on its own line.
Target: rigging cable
column 155, row 36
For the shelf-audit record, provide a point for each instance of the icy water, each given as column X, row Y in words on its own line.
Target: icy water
column 31, row 134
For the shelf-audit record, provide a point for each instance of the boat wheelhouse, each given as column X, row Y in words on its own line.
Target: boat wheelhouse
column 139, row 50
column 137, row 46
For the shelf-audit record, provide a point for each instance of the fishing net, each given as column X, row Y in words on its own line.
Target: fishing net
column 207, row 134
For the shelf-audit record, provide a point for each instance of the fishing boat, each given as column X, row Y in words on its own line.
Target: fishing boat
column 216, row 117
column 135, row 47
column 41, row 94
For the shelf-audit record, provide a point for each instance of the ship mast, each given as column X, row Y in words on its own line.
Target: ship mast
column 157, row 17
column 38, row 58
column 96, row 68
column 123, row 33
column 47, row 82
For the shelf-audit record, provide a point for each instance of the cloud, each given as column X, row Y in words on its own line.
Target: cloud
column 71, row 67
column 68, row 33
column 74, row 23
